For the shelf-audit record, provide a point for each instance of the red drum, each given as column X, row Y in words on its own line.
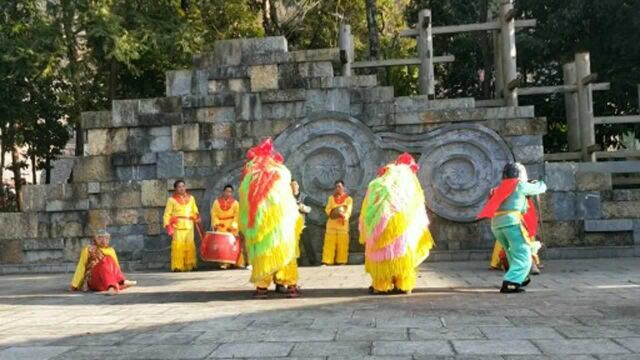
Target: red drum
column 221, row 247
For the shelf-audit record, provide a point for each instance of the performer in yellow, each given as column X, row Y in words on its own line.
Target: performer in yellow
column 225, row 216
column 268, row 217
column 180, row 216
column 394, row 227
column 98, row 268
column 336, row 237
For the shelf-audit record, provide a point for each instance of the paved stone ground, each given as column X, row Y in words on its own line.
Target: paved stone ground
column 586, row 309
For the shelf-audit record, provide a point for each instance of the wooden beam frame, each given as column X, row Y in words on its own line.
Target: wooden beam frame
column 452, row 29
column 400, row 62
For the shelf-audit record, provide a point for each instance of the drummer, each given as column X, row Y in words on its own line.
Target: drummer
column 225, row 213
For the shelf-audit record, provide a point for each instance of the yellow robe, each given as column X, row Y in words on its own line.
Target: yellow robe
column 336, row 237
column 287, row 276
column 227, row 221
column 183, row 246
column 81, row 268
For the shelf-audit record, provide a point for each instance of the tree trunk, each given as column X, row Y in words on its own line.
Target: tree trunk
column 485, row 46
column 68, row 28
column 113, row 79
column 374, row 35
column 2, row 162
column 47, row 170
column 34, row 170
column 17, row 177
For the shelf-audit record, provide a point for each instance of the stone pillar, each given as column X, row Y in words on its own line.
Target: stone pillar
column 571, row 107
column 585, row 105
column 497, row 60
column 425, row 53
column 508, row 40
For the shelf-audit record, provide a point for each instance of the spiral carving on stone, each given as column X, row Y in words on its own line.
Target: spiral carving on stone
column 327, row 147
column 458, row 167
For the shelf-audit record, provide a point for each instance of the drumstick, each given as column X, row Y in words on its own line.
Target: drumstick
column 200, row 232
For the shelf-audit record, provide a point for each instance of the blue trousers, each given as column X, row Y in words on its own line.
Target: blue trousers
column 518, row 252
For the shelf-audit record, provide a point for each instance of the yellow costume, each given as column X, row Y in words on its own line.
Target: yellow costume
column 180, row 214
column 336, row 237
column 225, row 216
column 78, row 278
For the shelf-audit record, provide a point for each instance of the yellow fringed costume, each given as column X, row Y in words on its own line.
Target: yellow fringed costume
column 179, row 216
column 268, row 217
column 394, row 227
column 336, row 238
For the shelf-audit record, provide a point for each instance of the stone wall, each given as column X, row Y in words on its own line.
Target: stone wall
column 328, row 127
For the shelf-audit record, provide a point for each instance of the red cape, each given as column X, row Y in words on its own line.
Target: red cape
column 499, row 195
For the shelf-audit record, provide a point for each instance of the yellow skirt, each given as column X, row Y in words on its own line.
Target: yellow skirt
column 183, row 250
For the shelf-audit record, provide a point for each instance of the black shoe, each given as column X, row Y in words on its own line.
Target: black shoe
column 526, row 282
column 281, row 289
column 509, row 287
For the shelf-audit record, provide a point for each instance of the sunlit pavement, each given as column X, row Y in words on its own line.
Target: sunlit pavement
column 577, row 309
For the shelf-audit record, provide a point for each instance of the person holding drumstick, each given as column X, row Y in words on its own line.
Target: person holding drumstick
column 336, row 238
column 225, row 215
column 180, row 216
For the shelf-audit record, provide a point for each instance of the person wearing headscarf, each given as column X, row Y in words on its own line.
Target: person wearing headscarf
column 506, row 207
column 98, row 268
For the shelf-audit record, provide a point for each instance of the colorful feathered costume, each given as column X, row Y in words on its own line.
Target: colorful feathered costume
column 268, row 216
column 394, row 227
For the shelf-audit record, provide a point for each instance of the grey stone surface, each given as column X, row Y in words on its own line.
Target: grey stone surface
column 178, row 82
column 497, row 347
column 612, row 225
column 564, row 205
column 518, row 333
column 343, row 349
column 588, row 205
column 95, row 119
column 170, row 165
column 560, row 176
column 417, row 348
column 255, row 349
column 580, row 346
column 590, row 181
column 93, row 168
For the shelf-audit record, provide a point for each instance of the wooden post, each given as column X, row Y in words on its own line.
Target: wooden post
column 497, row 63
column 346, row 48
column 585, row 105
column 425, row 53
column 571, row 107
column 508, row 39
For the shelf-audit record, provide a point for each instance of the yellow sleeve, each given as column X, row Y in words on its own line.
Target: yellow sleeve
column 112, row 252
column 78, row 277
column 215, row 214
column 168, row 210
column 347, row 213
column 329, row 206
column 194, row 206
column 362, row 236
column 236, row 215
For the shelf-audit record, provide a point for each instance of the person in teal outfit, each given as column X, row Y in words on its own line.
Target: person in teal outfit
column 505, row 208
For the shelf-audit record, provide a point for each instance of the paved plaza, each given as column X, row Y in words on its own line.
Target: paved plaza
column 577, row 309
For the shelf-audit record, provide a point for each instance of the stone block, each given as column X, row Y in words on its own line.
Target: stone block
column 373, row 95
column 535, row 171
column 93, row 188
column 593, row 181
column 154, row 193
column 328, row 100
column 331, row 55
column 636, row 233
column 129, row 246
column 93, row 168
column 563, row 205
column 233, row 52
column 43, row 256
column 495, row 347
column 528, row 154
column 276, row 96
column 95, row 119
column 34, row 198
column 160, row 119
column 134, row 173
column 613, row 225
column 226, row 72
column 315, row 69
column 68, row 192
column 220, row 131
column 608, row 239
column 96, row 220
column 561, row 233
column 124, row 113
column 18, row 225
column 178, row 82
column 625, row 195
column 263, row 77
column 560, row 176
column 215, row 114
column 621, row 209
column 11, row 251
column 133, row 159
column 415, row 348
column 588, row 205
column 239, row 85
column 580, row 346
column 353, row 81
column 43, row 244
column 248, row 107
column 68, row 224
column 212, row 100
column 420, row 103
column 288, row 110
column 160, row 105
column 160, row 143
column 67, row 205
column 170, row 165
column 97, row 140
column 124, row 216
column 185, row 137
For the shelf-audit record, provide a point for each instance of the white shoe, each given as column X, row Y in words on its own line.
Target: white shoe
column 249, row 267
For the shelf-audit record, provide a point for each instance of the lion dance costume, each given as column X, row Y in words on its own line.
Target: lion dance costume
column 268, row 218
column 394, row 227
